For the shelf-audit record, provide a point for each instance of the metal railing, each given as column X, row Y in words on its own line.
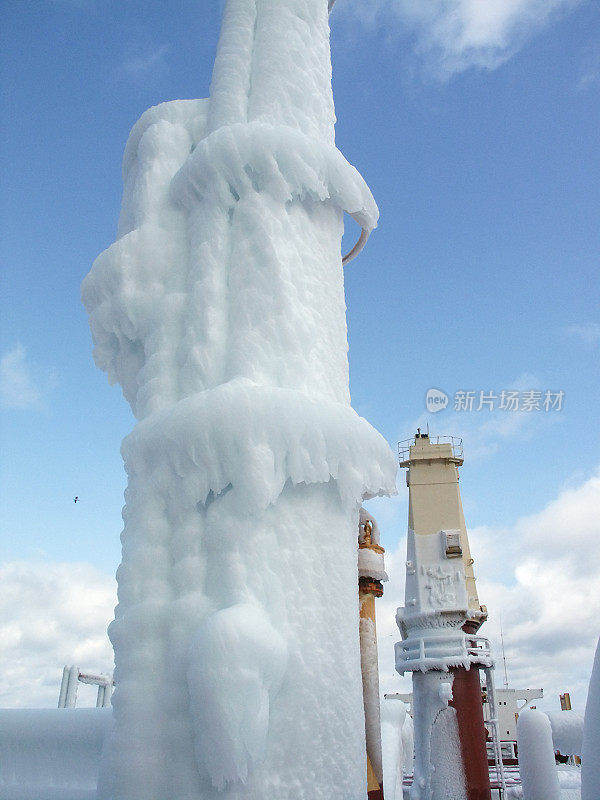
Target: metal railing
column 72, row 677
column 498, row 766
column 454, row 441
column 479, row 646
column 440, row 650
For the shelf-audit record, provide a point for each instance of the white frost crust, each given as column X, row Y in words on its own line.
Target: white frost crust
column 590, row 762
column 221, row 311
column 434, row 583
column 256, row 439
column 258, row 157
column 436, row 608
column 189, row 114
column 228, row 261
column 567, row 732
column 536, row 756
column 448, row 778
column 371, row 565
column 363, row 516
column 434, row 641
column 396, row 731
column 230, row 85
column 291, row 70
column 237, row 663
column 273, row 64
column 438, row 771
column 234, row 583
column 135, row 292
column 51, row 753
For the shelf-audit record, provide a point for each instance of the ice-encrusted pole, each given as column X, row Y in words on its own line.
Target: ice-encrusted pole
column 220, row 309
column 371, row 573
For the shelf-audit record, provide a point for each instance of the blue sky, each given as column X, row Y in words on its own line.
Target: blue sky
column 476, row 128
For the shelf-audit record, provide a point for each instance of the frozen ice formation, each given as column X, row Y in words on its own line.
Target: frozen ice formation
column 51, row 753
column 397, row 741
column 370, row 561
column 220, row 311
column 590, row 769
column 536, row 756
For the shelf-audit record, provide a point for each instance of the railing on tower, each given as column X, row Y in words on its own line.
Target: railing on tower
column 454, row 441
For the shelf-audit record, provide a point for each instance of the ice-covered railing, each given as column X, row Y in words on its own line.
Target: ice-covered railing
column 72, row 677
column 454, row 441
column 441, row 648
column 479, row 649
column 494, row 729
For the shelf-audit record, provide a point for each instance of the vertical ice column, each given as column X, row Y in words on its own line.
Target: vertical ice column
column 537, row 766
column 220, row 309
column 590, row 766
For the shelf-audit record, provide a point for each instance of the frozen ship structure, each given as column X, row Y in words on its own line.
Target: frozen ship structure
column 220, row 310
column 439, row 624
column 73, row 676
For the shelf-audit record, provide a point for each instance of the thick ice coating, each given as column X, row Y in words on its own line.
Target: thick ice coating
column 536, row 756
column 220, row 310
column 590, row 772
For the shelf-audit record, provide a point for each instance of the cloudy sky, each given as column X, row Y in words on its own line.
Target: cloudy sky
column 475, row 124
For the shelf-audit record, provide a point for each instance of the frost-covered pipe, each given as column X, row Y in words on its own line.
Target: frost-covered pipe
column 62, row 697
column 371, row 573
column 230, row 86
column 72, row 686
column 408, row 746
column 370, row 677
column 567, row 732
column 590, row 761
column 438, row 767
column 51, row 753
column 393, row 715
column 537, row 766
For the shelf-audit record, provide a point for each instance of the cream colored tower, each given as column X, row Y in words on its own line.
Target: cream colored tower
column 435, row 504
column 438, row 623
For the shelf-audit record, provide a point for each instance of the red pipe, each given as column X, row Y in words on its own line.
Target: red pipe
column 466, row 699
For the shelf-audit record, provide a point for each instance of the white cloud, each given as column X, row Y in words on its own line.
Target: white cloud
column 140, row 66
column 590, row 70
column 589, row 332
column 539, row 578
column 17, row 386
column 51, row 614
column 450, row 36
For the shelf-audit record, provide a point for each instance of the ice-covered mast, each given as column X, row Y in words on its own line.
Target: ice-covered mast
column 438, row 624
column 220, row 310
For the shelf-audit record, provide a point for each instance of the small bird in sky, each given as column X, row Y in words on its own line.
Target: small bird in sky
column 75, row 499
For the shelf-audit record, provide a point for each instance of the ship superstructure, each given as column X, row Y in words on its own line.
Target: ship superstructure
column 438, row 623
